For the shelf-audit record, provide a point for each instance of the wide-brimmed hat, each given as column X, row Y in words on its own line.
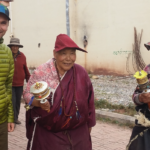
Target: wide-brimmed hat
column 64, row 41
column 15, row 41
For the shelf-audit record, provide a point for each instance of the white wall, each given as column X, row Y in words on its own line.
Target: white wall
column 36, row 21
column 108, row 25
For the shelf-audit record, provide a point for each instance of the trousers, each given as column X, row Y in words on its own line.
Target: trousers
column 16, row 100
column 3, row 136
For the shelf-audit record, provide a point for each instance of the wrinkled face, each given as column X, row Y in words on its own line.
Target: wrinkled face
column 65, row 59
column 3, row 25
column 14, row 49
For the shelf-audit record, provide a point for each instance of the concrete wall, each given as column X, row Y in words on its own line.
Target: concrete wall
column 109, row 27
column 34, row 22
column 107, row 24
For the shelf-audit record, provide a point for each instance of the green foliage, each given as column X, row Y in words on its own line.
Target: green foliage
column 108, row 120
column 127, row 110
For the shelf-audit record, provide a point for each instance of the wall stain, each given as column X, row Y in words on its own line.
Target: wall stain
column 85, row 43
column 106, row 71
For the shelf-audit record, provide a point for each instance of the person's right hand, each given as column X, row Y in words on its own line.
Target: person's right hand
column 144, row 97
column 45, row 106
column 11, row 127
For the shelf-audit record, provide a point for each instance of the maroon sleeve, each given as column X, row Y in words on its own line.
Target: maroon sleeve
column 27, row 74
column 91, row 120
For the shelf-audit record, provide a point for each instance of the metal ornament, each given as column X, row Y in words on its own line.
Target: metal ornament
column 40, row 90
column 27, row 107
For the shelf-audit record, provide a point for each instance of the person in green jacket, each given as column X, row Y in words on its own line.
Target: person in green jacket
column 6, row 76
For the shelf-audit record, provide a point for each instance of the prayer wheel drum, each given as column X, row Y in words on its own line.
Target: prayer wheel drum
column 40, row 90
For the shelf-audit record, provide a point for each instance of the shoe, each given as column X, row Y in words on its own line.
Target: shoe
column 17, row 122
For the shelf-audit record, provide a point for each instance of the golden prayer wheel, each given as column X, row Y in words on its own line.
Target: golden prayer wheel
column 143, row 82
column 41, row 91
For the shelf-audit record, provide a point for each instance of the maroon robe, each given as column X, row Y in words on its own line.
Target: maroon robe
column 48, row 133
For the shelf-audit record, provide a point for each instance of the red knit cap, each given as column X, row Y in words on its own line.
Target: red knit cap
column 64, row 41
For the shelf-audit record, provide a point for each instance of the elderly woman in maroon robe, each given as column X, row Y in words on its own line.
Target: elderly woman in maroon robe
column 72, row 113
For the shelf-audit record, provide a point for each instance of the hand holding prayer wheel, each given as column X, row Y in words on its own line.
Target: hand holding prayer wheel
column 41, row 93
column 143, row 87
column 45, row 106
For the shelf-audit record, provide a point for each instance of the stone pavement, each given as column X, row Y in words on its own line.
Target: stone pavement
column 110, row 137
column 104, row 136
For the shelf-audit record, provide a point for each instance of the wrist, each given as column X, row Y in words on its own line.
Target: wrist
column 139, row 98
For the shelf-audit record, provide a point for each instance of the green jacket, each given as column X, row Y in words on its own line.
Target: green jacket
column 6, row 77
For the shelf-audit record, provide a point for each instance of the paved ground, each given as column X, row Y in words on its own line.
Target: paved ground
column 104, row 136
